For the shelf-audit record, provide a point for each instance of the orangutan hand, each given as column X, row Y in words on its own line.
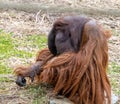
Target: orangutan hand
column 30, row 72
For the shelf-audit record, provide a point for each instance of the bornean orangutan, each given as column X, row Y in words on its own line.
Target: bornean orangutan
column 75, row 61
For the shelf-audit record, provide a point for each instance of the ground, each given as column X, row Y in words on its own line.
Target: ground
column 22, row 34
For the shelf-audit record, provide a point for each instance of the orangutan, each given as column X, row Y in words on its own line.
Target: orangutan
column 75, row 61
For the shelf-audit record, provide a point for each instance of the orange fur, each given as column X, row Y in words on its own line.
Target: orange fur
column 79, row 76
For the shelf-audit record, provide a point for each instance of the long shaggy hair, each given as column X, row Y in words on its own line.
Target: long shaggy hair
column 80, row 76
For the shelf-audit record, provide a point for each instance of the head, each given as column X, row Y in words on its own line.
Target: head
column 66, row 34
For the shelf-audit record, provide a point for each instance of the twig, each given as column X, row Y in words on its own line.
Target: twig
column 36, row 17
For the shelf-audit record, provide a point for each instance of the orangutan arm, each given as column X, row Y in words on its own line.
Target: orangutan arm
column 32, row 70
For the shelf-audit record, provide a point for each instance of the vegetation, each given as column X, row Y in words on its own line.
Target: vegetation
column 114, row 71
column 24, row 48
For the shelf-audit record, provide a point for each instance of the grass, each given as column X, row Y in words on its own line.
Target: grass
column 5, row 45
column 5, row 79
column 114, row 73
column 114, row 69
column 24, row 47
column 4, row 69
column 38, row 93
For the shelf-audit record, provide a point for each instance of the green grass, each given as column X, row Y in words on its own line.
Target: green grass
column 114, row 73
column 4, row 69
column 24, row 47
column 37, row 41
column 5, row 79
column 38, row 93
column 5, row 45
column 114, row 69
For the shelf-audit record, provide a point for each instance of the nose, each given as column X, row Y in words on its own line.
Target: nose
column 21, row 81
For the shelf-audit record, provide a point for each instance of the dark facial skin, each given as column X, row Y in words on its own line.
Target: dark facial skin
column 61, row 42
column 66, row 34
